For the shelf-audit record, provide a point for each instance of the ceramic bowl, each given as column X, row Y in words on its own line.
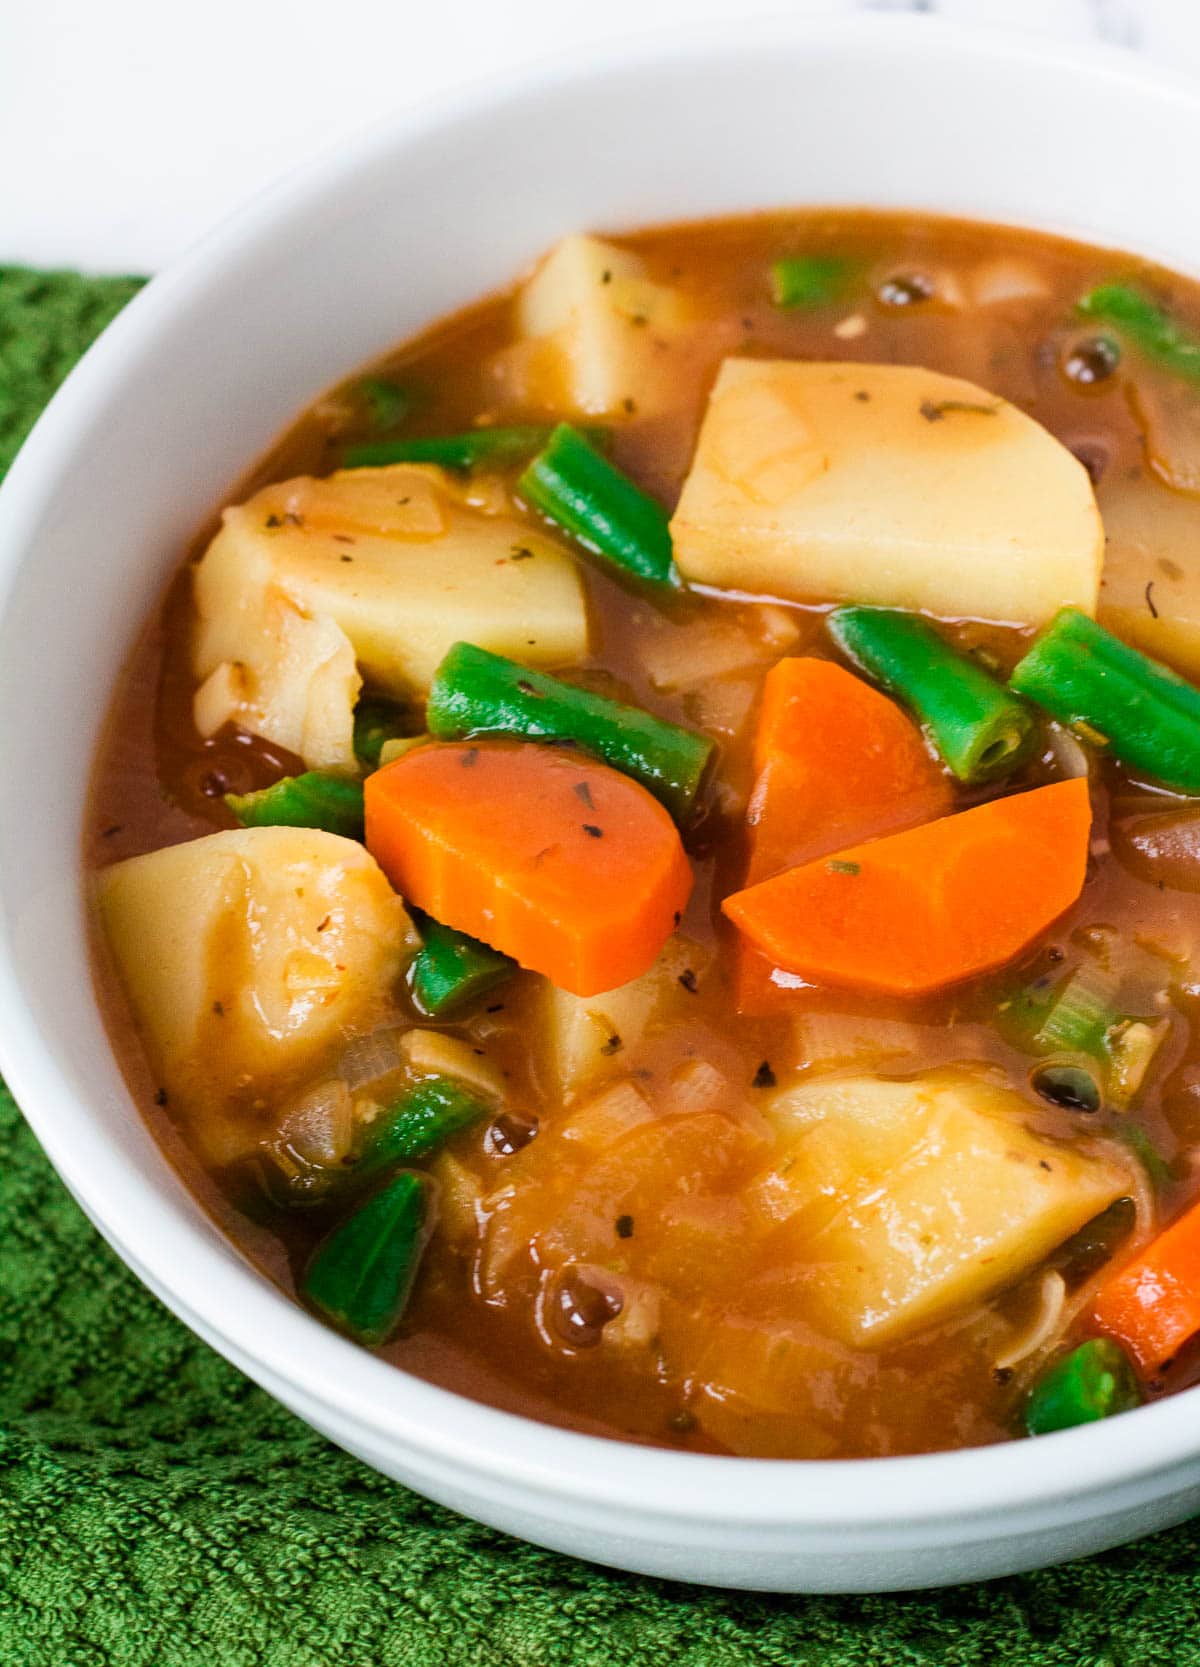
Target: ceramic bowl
column 195, row 380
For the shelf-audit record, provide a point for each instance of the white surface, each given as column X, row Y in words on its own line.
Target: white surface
column 112, row 482
column 131, row 127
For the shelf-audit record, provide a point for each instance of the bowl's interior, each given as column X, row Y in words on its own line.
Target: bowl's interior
column 208, row 366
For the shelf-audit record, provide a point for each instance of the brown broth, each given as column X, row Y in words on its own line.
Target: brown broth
column 157, row 783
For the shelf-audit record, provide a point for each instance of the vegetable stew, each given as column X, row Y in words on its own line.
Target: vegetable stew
column 648, row 866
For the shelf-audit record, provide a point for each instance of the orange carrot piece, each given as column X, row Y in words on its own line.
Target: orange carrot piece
column 918, row 910
column 835, row 763
column 1152, row 1304
column 561, row 862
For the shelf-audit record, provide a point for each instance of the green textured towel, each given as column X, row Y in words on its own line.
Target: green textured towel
column 157, row 1509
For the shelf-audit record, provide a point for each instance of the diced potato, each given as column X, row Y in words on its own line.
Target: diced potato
column 248, row 956
column 885, row 484
column 595, row 317
column 375, row 571
column 590, row 1036
column 906, row 1201
column 1150, row 588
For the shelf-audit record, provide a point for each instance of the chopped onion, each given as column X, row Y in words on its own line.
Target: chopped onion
column 1006, row 278
column 1042, row 1326
column 603, row 1120
column 695, row 1086
column 1068, row 753
column 432, row 1053
column 367, row 1058
column 319, row 1126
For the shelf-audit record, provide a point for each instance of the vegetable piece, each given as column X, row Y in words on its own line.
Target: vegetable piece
column 1081, row 1015
column 361, row 1275
column 588, row 497
column 572, row 869
column 922, row 909
column 432, row 1112
column 477, row 448
column 589, row 316
column 1150, row 590
column 978, row 726
column 929, row 493
column 478, row 693
column 387, row 401
column 453, row 970
column 1148, row 326
column 587, row 1038
column 1093, row 1381
column 1152, row 1304
column 975, row 1197
column 835, row 762
column 371, row 571
column 810, row 280
column 313, row 800
column 376, row 722
column 312, row 942
column 1086, row 677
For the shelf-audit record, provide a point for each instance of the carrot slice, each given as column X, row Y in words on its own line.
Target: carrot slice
column 1152, row 1304
column 835, row 762
column 918, row 910
column 563, row 863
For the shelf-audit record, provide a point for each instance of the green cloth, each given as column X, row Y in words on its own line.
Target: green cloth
column 157, row 1509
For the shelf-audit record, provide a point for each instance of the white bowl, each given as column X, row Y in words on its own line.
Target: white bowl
column 201, row 373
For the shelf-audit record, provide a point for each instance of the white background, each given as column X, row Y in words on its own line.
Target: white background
column 128, row 127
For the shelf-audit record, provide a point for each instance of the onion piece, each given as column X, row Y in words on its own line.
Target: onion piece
column 367, row 1058
column 1043, row 1325
column 318, row 1126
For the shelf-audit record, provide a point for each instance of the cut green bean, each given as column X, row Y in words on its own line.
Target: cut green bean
column 1144, row 323
column 979, row 727
column 1094, row 1381
column 479, row 446
column 362, row 1274
column 422, row 1119
column 1087, row 678
column 453, row 969
column 376, row 722
column 313, row 800
column 584, row 494
column 475, row 692
column 387, row 401
column 810, row 280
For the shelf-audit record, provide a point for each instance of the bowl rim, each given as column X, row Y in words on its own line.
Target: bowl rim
column 264, row 1331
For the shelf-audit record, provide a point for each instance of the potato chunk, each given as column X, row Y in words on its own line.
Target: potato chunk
column 905, row 1201
column 588, row 1037
column 372, row 571
column 886, row 484
column 594, row 317
column 247, row 956
column 1150, row 588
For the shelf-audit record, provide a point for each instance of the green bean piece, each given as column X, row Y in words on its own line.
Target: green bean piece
column 313, row 800
column 584, row 494
column 1094, row 1381
column 463, row 452
column 387, row 401
column 376, row 722
column 475, row 692
column 429, row 1114
column 979, row 728
column 453, row 970
column 1144, row 323
column 361, row 1275
column 1087, row 678
column 810, row 280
